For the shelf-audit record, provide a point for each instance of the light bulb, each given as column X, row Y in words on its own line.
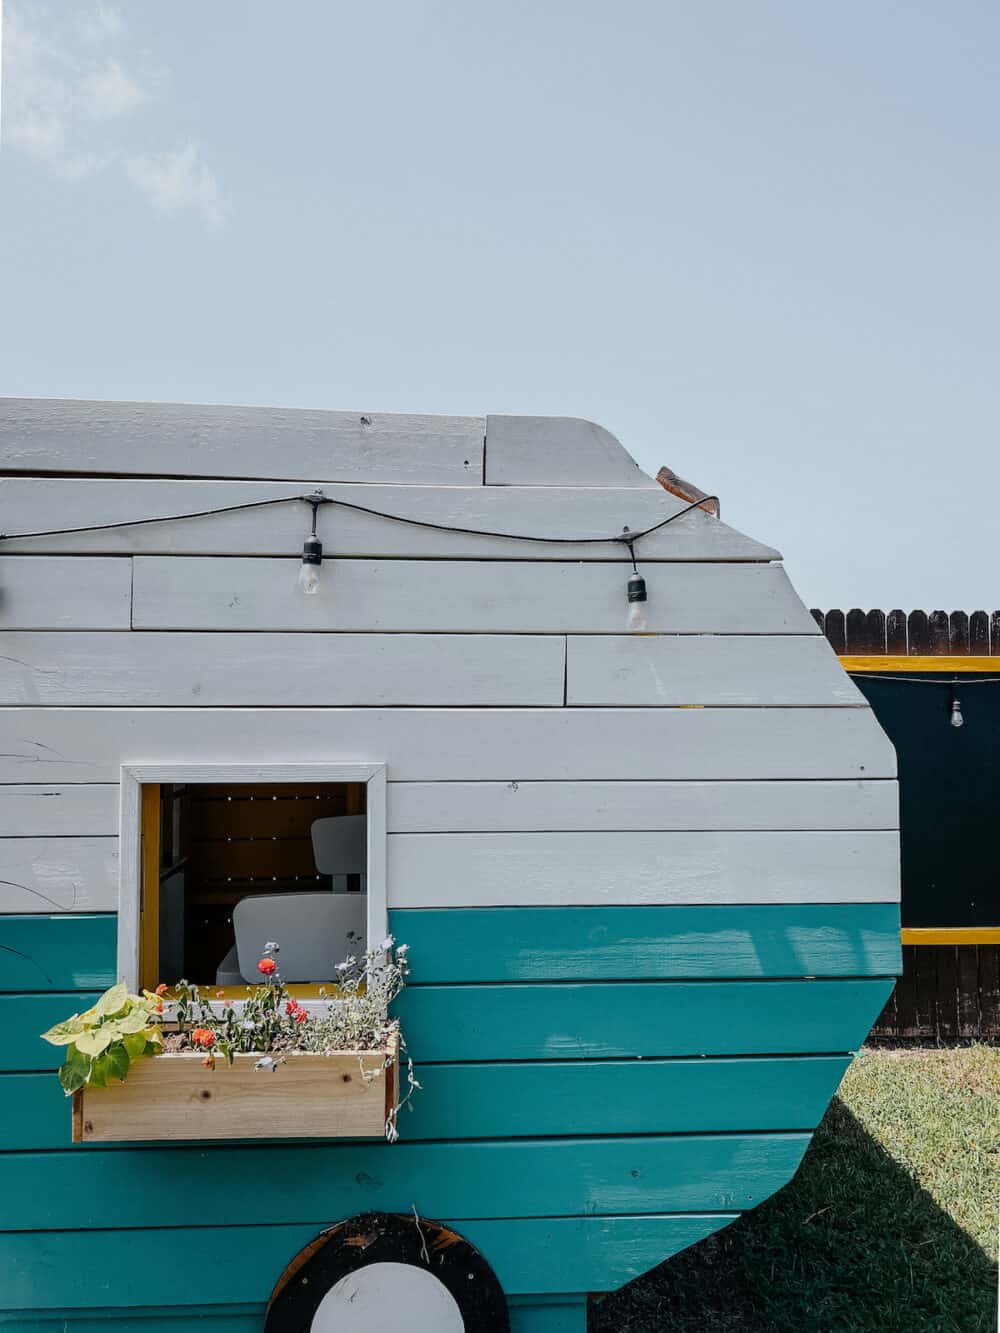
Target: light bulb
column 636, row 593
column 312, row 558
column 637, row 618
column 956, row 719
column 309, row 578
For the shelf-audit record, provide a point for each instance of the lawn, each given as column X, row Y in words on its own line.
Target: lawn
column 890, row 1224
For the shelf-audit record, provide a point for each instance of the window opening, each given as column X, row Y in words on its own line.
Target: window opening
column 228, row 867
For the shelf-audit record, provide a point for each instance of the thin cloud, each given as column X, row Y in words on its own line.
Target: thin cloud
column 71, row 102
column 177, row 182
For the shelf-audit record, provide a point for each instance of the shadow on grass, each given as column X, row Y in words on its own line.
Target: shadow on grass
column 851, row 1245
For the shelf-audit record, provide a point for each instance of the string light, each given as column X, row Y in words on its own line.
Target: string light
column 312, row 549
column 956, row 719
column 635, row 592
column 312, row 553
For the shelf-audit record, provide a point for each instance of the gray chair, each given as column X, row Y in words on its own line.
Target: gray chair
column 340, row 848
column 311, row 928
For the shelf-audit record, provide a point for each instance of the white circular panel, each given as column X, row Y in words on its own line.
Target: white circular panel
column 383, row 1298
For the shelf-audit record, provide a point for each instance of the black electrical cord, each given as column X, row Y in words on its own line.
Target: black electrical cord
column 317, row 499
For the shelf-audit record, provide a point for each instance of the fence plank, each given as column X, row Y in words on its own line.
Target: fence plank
column 836, row 631
column 895, row 634
column 979, row 634
column 946, row 992
column 918, row 634
column 938, row 627
column 958, row 634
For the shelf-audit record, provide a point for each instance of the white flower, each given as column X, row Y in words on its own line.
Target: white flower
column 387, row 943
column 247, row 1026
column 271, row 947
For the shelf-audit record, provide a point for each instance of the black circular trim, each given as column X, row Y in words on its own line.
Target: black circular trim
column 374, row 1238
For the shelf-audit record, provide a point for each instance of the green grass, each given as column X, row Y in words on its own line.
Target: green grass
column 890, row 1223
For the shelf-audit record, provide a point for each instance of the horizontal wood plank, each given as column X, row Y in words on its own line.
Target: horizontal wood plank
column 528, row 807
column 655, row 943
column 56, row 809
column 58, row 744
column 577, row 1021
column 68, row 1269
column 65, row 592
column 207, row 440
column 57, row 953
column 25, row 1016
column 549, row 451
column 503, row 1178
column 470, row 596
column 474, row 1101
column 327, row 670
column 65, row 874
column 570, row 1021
column 917, row 664
column 607, row 869
column 707, row 671
column 176, row 1097
column 28, row 505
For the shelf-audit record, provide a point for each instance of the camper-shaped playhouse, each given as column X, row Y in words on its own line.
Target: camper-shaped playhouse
column 479, row 683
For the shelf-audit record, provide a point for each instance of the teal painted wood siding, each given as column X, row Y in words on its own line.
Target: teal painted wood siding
column 534, row 1103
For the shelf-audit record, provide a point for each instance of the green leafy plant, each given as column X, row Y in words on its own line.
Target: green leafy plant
column 103, row 1041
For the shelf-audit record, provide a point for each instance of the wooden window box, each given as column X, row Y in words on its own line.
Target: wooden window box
column 349, row 1094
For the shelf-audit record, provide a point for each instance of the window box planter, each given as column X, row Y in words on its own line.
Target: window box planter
column 350, row 1094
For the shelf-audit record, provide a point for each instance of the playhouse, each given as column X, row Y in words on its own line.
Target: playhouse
column 479, row 683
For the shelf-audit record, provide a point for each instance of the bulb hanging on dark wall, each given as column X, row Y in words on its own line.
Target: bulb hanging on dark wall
column 956, row 719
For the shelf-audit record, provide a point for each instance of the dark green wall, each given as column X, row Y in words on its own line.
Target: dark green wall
column 949, row 789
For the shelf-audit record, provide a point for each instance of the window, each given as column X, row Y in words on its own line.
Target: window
column 217, row 861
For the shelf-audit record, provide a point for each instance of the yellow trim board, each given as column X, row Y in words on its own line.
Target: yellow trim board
column 950, row 935
column 947, row 664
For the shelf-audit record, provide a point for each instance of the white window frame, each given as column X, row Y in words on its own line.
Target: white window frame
column 135, row 776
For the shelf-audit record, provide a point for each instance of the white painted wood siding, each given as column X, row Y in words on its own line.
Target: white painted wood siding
column 196, row 440
column 707, row 671
column 30, row 504
column 536, row 752
column 321, row 670
column 526, row 807
column 39, row 875
column 465, row 596
column 558, row 744
column 605, row 869
column 58, row 809
column 65, row 592
column 557, row 451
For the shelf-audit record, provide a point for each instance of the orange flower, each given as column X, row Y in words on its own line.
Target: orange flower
column 162, row 988
column 203, row 1037
column 267, row 966
column 227, row 1004
column 292, row 1008
column 220, row 994
column 300, row 1015
column 159, row 1006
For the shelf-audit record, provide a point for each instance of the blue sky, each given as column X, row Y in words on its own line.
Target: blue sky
column 758, row 241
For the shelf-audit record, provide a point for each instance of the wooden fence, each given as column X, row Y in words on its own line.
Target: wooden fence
column 950, row 987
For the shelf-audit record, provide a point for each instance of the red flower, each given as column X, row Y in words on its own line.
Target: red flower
column 203, row 1037
column 267, row 966
column 300, row 1015
column 162, row 988
column 159, row 1006
column 292, row 1007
